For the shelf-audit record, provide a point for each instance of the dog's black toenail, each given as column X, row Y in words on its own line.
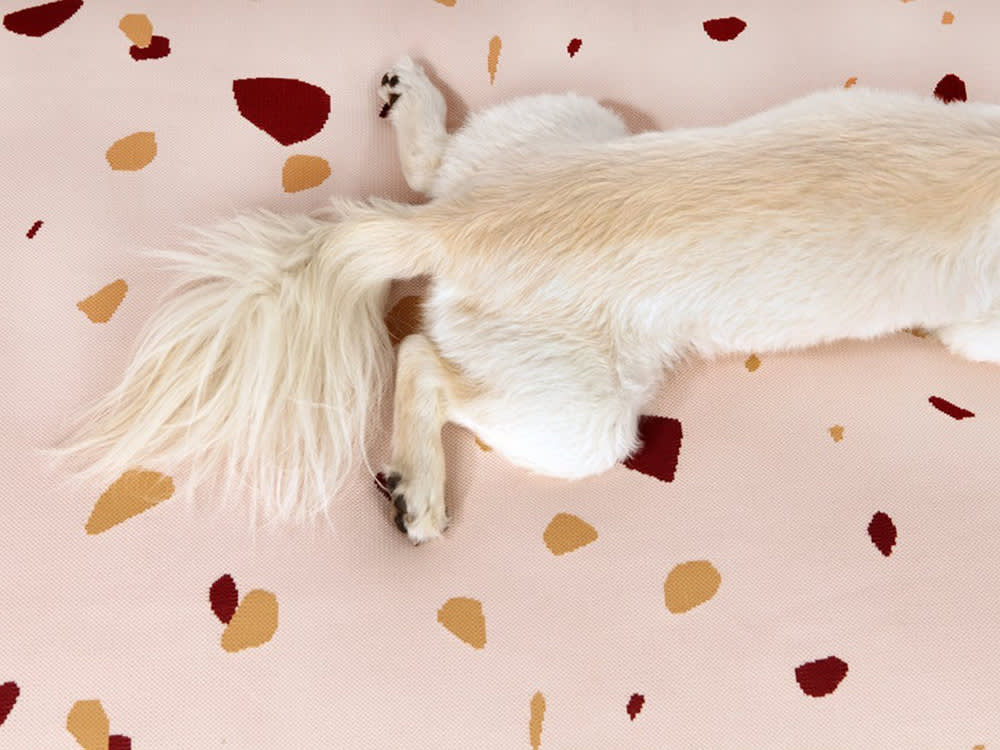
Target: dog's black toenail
column 388, row 105
column 401, row 522
column 385, row 79
column 381, row 485
column 392, row 481
column 394, row 80
column 399, row 502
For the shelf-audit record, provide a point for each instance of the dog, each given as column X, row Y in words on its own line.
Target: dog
column 571, row 264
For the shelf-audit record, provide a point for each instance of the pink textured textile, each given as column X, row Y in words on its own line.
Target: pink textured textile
column 820, row 573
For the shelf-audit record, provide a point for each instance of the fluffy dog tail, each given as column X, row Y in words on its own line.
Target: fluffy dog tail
column 268, row 360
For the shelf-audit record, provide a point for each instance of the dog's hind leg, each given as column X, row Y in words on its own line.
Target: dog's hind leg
column 978, row 340
column 551, row 423
column 416, row 110
column 426, row 389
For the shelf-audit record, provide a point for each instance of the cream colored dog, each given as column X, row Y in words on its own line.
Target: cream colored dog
column 572, row 264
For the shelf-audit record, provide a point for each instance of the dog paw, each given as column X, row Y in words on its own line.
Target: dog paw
column 394, row 83
column 405, row 88
column 388, row 93
column 419, row 512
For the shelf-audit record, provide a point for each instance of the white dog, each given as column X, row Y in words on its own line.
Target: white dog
column 571, row 265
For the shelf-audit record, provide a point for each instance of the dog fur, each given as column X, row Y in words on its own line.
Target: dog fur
column 571, row 265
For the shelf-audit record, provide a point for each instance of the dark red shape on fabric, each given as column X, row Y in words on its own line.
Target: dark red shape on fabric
column 41, row 19
column 819, row 678
column 951, row 88
column 635, row 705
column 574, row 46
column 724, row 29
column 287, row 109
column 661, row 446
column 224, row 598
column 8, row 697
column 882, row 532
column 953, row 411
column 119, row 742
column 34, row 229
column 159, row 46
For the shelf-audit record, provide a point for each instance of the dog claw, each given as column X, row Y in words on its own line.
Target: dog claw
column 392, row 481
column 388, row 105
column 418, row 528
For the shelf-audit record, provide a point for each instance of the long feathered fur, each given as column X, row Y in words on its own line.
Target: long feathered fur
column 267, row 359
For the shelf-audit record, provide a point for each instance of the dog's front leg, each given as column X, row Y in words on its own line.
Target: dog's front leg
column 416, row 110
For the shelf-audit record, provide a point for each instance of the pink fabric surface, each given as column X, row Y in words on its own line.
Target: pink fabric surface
column 778, row 504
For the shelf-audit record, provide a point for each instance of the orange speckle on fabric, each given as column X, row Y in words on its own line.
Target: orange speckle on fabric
column 89, row 725
column 566, row 533
column 535, row 722
column 253, row 624
column 134, row 492
column 752, row 363
column 463, row 618
column 102, row 304
column 133, row 152
column 852, row 81
column 837, row 433
column 303, row 172
column 494, row 58
column 138, row 28
column 690, row 584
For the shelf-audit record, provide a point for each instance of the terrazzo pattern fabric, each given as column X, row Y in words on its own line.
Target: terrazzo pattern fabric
column 804, row 554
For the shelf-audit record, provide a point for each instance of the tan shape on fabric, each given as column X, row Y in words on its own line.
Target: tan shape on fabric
column 463, row 617
column 752, row 363
column 535, row 723
column 303, row 172
column 133, row 152
column 134, row 492
column 837, row 433
column 920, row 333
column 89, row 725
column 494, row 58
column 483, row 446
column 449, row 3
column 101, row 305
column 948, row 18
column 852, row 81
column 405, row 317
column 254, row 622
column 566, row 533
column 138, row 28
column 690, row 584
